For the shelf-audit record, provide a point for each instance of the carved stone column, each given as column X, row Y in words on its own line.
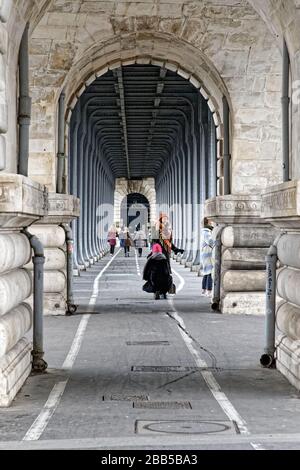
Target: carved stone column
column 63, row 208
column 245, row 240
column 281, row 208
column 22, row 202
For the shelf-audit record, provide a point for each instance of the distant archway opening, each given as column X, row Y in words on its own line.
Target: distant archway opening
column 135, row 212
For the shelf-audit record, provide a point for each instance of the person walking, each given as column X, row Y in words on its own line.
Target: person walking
column 164, row 236
column 157, row 273
column 207, row 245
column 112, row 239
column 127, row 244
column 122, row 237
column 139, row 240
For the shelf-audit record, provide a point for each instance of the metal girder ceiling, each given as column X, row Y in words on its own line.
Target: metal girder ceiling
column 137, row 111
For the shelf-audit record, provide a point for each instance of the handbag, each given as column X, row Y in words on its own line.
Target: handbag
column 147, row 287
column 172, row 289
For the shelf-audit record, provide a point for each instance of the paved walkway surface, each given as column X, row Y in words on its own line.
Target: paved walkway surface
column 130, row 372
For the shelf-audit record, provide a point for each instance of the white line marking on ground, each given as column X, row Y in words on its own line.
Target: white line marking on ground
column 74, row 350
column 257, row 446
column 210, row 380
column 39, row 425
column 41, row 422
column 137, row 264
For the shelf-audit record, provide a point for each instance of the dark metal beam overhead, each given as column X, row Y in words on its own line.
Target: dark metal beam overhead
column 138, row 112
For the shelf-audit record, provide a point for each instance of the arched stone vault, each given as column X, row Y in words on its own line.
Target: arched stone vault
column 195, row 35
column 146, row 187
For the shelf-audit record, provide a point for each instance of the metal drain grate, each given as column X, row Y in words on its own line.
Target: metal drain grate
column 163, row 405
column 163, row 368
column 147, row 343
column 122, row 397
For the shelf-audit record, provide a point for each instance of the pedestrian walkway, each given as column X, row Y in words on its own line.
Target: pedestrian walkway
column 127, row 371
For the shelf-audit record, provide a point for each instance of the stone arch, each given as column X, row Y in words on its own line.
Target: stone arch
column 222, row 64
column 214, row 103
column 146, row 187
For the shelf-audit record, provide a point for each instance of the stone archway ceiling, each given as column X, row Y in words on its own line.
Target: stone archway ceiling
column 138, row 111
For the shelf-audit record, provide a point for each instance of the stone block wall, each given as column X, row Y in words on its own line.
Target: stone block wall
column 55, row 283
column 21, row 203
column 288, row 307
column 281, row 207
column 62, row 208
column 15, row 314
column 245, row 240
column 243, row 268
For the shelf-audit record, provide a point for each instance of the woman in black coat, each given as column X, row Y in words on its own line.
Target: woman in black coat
column 157, row 272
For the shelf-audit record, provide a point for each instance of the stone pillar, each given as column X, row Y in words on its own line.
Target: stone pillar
column 22, row 202
column 281, row 208
column 63, row 208
column 245, row 241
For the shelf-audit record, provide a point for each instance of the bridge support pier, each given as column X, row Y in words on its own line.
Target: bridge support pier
column 22, row 202
column 63, row 208
column 245, row 240
column 281, row 208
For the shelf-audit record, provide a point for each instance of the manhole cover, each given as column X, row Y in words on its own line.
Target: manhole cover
column 163, row 405
column 121, row 397
column 184, row 427
column 147, row 343
column 163, row 369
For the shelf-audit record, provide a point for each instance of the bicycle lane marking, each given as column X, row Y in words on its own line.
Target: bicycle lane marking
column 39, row 425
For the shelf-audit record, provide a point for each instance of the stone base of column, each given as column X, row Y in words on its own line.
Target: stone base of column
column 244, row 303
column 63, row 208
column 15, row 368
column 22, row 202
column 288, row 359
column 195, row 268
column 281, row 207
column 245, row 241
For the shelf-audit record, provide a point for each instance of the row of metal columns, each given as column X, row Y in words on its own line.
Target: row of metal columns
column 92, row 182
column 189, row 177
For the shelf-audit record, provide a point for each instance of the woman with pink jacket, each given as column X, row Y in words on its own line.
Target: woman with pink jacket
column 112, row 239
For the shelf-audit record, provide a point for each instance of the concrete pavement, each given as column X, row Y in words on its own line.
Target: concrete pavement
column 124, row 373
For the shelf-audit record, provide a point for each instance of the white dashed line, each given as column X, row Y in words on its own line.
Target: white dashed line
column 41, row 422
column 137, row 264
column 208, row 376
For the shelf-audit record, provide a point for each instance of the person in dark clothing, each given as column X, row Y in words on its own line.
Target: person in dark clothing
column 157, row 272
column 128, row 244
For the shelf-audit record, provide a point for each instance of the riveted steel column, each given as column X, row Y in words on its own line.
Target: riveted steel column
column 101, row 202
column 89, row 191
column 179, row 199
column 86, row 197
column 189, row 255
column 285, row 113
column 197, row 175
column 73, row 171
column 94, row 207
column 85, row 158
column 183, row 198
column 24, row 114
column 80, row 176
column 195, row 184
column 226, row 147
column 61, row 145
column 212, row 152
